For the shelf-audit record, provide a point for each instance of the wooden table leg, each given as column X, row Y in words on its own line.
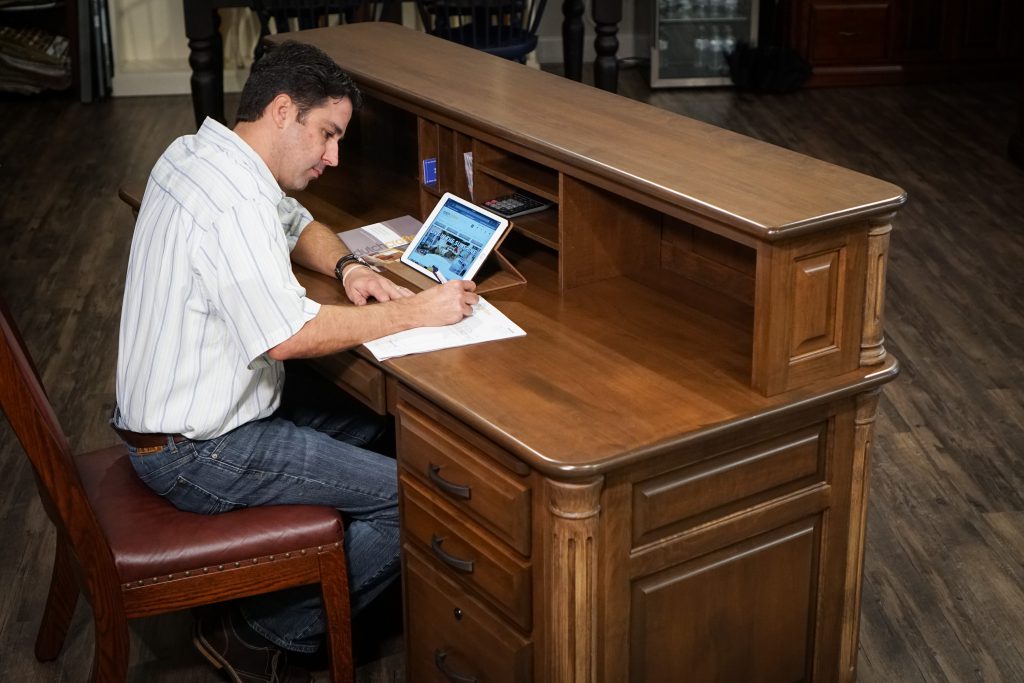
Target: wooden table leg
column 572, row 39
column 206, row 57
column 607, row 15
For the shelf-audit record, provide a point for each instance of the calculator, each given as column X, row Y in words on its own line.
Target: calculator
column 516, row 204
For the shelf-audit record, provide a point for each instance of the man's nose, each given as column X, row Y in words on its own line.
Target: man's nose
column 331, row 154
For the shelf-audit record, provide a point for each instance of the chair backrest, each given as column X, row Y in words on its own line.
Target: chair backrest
column 306, row 14
column 28, row 409
column 506, row 28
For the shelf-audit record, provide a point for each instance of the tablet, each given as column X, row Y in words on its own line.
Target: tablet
column 455, row 239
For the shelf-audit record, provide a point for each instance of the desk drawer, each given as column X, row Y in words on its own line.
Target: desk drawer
column 729, row 482
column 453, row 635
column 466, row 552
column 466, row 476
column 359, row 378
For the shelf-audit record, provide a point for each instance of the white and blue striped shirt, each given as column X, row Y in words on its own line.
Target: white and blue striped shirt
column 209, row 290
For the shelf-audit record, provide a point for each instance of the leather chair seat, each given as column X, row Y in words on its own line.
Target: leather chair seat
column 149, row 537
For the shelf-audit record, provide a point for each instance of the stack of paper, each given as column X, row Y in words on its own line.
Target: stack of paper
column 382, row 241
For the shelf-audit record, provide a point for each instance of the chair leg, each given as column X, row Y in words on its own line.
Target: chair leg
column 110, row 655
column 60, row 605
column 334, row 586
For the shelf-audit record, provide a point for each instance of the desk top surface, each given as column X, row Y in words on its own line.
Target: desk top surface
column 751, row 186
column 599, row 382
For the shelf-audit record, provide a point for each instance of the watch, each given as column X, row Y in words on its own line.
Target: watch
column 346, row 260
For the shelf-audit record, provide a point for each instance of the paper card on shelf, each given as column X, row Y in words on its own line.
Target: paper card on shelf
column 383, row 241
column 486, row 324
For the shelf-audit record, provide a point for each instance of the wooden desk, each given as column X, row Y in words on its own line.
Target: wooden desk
column 666, row 479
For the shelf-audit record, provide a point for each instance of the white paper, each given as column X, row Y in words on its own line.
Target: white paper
column 486, row 324
column 384, row 234
column 467, row 160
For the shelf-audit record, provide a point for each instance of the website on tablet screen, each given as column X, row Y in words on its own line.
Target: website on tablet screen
column 454, row 240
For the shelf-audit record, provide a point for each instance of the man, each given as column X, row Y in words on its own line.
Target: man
column 212, row 308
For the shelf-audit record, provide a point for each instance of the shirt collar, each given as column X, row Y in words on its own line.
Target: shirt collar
column 216, row 133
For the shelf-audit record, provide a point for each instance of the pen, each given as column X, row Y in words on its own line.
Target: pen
column 438, row 275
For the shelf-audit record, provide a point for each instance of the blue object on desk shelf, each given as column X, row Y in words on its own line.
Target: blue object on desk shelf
column 430, row 171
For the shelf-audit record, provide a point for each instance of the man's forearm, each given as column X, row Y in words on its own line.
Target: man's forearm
column 318, row 249
column 336, row 328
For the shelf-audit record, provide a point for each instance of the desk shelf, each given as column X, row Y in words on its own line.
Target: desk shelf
column 516, row 171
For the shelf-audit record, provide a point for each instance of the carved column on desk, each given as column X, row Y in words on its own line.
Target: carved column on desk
column 572, row 38
column 864, row 422
column 607, row 15
column 206, row 57
column 872, row 350
column 571, row 582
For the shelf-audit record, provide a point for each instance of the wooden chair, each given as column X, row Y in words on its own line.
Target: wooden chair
column 133, row 554
column 506, row 28
column 307, row 14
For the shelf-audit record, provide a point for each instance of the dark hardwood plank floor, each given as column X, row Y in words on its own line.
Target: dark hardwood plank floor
column 944, row 576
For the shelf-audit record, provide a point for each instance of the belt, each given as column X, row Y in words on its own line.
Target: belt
column 148, row 442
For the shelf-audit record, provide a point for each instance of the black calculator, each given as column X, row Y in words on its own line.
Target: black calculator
column 516, row 204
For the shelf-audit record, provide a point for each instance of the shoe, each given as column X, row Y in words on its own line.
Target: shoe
column 230, row 648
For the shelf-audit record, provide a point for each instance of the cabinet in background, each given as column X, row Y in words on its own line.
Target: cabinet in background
column 853, row 42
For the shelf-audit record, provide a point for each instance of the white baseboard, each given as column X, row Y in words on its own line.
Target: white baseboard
column 166, row 79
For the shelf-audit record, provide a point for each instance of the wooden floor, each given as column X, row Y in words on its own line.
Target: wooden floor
column 944, row 577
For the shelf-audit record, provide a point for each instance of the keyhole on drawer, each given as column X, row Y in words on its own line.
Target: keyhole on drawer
column 458, row 613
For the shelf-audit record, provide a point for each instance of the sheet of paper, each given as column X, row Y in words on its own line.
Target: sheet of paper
column 486, row 324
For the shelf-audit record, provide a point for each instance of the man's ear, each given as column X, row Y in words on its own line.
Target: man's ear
column 281, row 110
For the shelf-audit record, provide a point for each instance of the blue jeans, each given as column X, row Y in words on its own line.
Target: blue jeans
column 295, row 456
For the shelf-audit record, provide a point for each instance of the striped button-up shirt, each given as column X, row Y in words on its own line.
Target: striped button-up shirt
column 209, row 290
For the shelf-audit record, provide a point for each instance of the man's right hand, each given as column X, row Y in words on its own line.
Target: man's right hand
column 442, row 305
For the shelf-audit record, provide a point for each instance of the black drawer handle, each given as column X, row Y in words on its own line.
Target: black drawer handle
column 445, row 485
column 439, row 657
column 847, row 34
column 450, row 560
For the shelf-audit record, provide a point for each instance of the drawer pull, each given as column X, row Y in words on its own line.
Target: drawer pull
column 439, row 657
column 847, row 34
column 450, row 560
column 445, row 485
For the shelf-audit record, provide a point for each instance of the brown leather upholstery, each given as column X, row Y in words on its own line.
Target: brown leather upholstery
column 133, row 554
column 150, row 537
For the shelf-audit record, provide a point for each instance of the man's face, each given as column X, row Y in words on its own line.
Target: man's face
column 311, row 145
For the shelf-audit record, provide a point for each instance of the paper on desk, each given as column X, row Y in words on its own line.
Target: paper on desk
column 486, row 324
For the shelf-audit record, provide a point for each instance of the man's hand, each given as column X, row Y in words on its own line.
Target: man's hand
column 442, row 305
column 361, row 284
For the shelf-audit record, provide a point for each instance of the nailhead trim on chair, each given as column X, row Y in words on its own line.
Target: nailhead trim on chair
column 220, row 567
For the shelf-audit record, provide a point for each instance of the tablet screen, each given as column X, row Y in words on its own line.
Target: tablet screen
column 455, row 239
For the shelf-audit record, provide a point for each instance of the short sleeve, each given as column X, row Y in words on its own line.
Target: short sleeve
column 244, row 264
column 294, row 218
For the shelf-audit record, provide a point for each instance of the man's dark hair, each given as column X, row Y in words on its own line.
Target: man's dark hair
column 303, row 72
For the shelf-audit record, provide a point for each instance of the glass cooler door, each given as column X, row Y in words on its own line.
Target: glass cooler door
column 690, row 39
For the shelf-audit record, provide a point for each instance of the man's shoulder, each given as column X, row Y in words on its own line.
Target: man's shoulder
column 205, row 179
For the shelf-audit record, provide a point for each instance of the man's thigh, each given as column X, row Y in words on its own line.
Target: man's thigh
column 276, row 462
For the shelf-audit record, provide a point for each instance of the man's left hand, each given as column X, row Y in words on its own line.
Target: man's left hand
column 362, row 283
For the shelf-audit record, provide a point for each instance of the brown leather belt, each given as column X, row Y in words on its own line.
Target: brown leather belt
column 147, row 442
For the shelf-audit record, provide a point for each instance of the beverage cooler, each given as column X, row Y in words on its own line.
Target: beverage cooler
column 689, row 38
